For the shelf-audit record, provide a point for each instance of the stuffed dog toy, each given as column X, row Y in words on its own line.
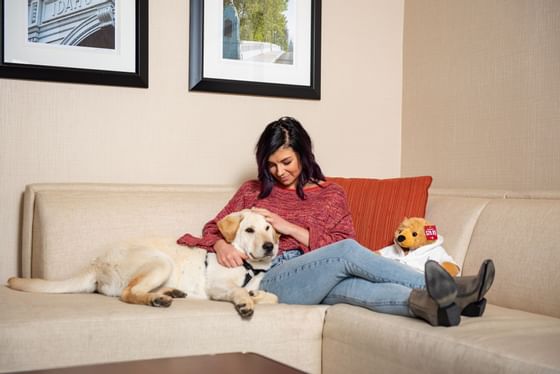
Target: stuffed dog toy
column 416, row 241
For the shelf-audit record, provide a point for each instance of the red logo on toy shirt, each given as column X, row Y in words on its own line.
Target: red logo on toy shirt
column 431, row 232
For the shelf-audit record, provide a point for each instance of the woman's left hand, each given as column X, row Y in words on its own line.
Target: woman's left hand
column 284, row 227
column 280, row 224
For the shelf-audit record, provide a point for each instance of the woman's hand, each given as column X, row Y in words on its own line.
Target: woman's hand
column 280, row 224
column 227, row 255
column 284, row 227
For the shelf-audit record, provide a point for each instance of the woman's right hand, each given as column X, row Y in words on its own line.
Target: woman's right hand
column 227, row 255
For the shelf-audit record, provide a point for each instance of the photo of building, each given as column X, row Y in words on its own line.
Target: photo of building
column 83, row 23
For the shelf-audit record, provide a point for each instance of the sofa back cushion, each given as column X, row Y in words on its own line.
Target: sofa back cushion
column 455, row 216
column 379, row 205
column 69, row 225
column 520, row 235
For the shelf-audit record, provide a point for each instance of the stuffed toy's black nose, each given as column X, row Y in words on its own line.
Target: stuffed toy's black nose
column 401, row 238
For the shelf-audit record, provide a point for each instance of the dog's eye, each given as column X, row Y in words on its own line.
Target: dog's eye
column 267, row 227
column 250, row 230
column 414, row 234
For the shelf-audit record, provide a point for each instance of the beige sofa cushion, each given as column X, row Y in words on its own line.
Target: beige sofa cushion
column 356, row 340
column 455, row 217
column 515, row 229
column 520, row 235
column 69, row 225
column 40, row 331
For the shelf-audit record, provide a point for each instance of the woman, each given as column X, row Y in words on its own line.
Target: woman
column 319, row 260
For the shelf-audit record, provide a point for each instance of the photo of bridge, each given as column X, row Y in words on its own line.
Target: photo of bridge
column 258, row 32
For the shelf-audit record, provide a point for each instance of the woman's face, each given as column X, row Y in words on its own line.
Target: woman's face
column 285, row 167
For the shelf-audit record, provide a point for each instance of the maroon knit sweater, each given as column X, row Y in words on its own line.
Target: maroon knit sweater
column 324, row 212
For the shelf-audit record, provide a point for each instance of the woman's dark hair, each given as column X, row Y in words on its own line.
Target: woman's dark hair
column 286, row 132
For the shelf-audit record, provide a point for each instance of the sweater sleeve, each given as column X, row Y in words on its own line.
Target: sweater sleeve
column 338, row 223
column 244, row 198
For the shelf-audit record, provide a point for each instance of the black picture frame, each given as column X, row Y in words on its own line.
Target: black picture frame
column 138, row 78
column 198, row 81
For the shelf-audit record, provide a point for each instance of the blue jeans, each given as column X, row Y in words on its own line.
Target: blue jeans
column 344, row 272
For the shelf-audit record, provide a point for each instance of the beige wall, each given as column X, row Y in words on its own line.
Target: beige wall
column 58, row 132
column 481, row 94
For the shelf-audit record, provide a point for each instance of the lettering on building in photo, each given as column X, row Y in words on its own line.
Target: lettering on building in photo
column 84, row 23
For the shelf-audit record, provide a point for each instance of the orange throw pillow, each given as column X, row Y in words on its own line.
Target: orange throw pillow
column 379, row 205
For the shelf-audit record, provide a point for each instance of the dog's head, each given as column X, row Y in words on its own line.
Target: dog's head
column 249, row 232
column 411, row 233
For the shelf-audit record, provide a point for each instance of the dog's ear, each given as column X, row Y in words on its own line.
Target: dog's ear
column 228, row 226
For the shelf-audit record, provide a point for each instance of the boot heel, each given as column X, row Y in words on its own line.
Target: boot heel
column 449, row 316
column 475, row 309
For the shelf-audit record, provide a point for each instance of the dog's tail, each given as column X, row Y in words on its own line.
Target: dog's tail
column 84, row 282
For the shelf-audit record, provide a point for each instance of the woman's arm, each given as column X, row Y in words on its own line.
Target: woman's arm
column 331, row 221
column 335, row 221
column 282, row 226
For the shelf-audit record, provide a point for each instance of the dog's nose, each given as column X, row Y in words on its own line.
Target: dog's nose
column 401, row 238
column 268, row 247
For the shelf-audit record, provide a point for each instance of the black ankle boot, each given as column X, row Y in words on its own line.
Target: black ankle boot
column 471, row 290
column 436, row 304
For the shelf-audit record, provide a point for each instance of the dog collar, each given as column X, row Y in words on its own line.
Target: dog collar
column 251, row 272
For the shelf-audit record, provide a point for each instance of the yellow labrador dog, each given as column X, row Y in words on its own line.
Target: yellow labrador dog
column 154, row 272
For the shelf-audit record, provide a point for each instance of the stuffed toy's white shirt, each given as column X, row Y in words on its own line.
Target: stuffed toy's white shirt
column 418, row 257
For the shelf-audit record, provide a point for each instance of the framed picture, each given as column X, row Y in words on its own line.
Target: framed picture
column 80, row 41
column 270, row 48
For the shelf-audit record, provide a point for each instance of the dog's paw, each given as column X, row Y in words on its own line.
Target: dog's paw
column 175, row 293
column 162, row 301
column 244, row 310
column 263, row 297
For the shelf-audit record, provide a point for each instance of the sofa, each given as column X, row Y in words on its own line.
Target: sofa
column 66, row 225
